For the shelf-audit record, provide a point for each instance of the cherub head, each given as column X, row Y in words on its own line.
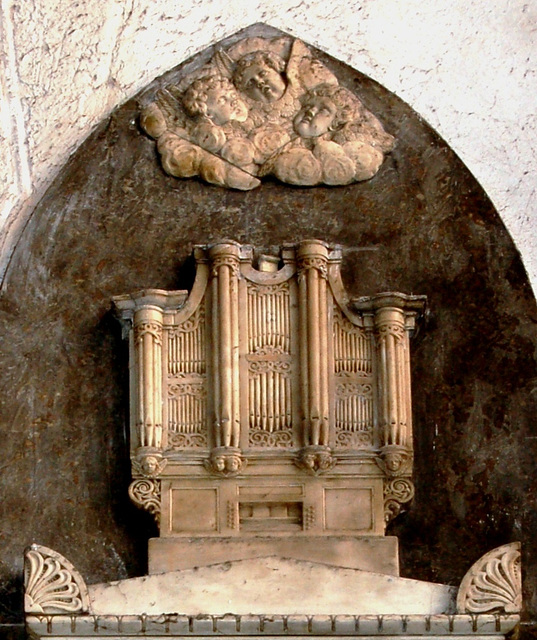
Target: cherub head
column 150, row 465
column 259, row 75
column 233, row 464
column 219, row 463
column 393, row 461
column 216, row 98
column 326, row 108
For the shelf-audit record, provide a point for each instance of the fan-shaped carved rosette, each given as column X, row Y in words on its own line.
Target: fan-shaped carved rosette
column 145, row 493
column 52, row 584
column 397, row 493
column 494, row 583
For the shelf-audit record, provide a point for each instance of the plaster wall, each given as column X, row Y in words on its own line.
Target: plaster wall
column 468, row 67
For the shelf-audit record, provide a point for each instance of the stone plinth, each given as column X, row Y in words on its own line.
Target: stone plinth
column 377, row 554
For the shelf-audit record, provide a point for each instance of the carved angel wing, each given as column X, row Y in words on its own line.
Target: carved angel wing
column 223, row 63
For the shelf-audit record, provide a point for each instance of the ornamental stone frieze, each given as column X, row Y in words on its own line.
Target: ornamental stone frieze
column 265, row 107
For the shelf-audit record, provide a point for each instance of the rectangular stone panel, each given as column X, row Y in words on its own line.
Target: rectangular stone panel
column 348, row 509
column 194, row 510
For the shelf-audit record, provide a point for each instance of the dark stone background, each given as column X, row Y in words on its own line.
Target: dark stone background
column 113, row 222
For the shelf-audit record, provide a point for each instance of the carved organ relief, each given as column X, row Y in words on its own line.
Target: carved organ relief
column 266, row 400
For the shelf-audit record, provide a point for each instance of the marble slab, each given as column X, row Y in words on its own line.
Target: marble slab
column 270, row 584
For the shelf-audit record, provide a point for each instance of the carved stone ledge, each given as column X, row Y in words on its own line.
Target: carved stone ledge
column 493, row 584
column 397, row 493
column 225, row 461
column 52, row 584
column 233, row 626
column 316, row 459
column 145, row 493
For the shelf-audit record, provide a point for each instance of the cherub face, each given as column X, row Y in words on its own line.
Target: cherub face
column 219, row 463
column 315, row 117
column 263, row 83
column 223, row 105
column 233, row 464
column 393, row 462
column 150, row 465
column 309, row 460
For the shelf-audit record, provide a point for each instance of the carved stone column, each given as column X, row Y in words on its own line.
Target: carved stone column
column 147, row 343
column 395, row 419
column 226, row 456
column 394, row 316
column 312, row 264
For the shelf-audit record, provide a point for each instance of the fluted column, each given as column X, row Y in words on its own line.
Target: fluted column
column 395, row 416
column 148, row 390
column 312, row 262
column 225, row 272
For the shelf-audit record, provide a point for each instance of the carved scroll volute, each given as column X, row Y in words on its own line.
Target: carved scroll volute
column 225, row 314
column 147, row 347
column 312, row 265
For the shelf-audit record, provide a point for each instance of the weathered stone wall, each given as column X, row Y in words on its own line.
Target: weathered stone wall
column 468, row 67
column 113, row 222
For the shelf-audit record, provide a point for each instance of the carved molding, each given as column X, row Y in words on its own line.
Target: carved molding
column 275, row 440
column 145, row 493
column 265, row 107
column 186, row 440
column 397, row 493
column 353, row 439
column 232, row 515
column 52, row 584
column 493, row 583
column 461, row 627
column 310, row 517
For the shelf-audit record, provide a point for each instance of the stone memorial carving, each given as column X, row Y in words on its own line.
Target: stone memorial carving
column 271, row 438
column 265, row 107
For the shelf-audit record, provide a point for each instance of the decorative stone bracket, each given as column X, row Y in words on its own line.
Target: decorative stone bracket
column 398, row 492
column 145, row 493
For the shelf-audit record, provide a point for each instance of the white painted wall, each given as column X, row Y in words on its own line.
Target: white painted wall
column 469, row 67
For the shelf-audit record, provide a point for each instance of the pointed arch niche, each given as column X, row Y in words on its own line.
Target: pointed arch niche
column 114, row 221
